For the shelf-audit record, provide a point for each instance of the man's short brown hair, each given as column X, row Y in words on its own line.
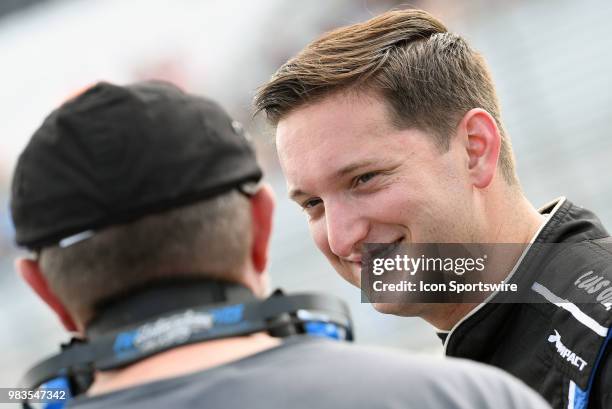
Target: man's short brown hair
column 428, row 77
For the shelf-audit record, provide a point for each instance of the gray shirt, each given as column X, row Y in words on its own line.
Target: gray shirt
column 306, row 372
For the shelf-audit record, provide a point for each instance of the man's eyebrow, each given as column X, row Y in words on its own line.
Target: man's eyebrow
column 348, row 169
column 294, row 194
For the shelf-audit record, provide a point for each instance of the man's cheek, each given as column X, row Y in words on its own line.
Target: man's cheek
column 355, row 276
column 349, row 272
column 319, row 236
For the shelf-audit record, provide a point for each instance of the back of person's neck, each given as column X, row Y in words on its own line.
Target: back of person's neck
column 181, row 361
column 165, row 297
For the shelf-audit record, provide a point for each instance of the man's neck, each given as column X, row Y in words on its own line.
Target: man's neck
column 510, row 221
column 445, row 316
column 182, row 361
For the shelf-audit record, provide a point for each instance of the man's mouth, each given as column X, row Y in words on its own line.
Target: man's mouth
column 377, row 250
column 385, row 250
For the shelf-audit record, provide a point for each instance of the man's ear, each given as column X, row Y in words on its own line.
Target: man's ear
column 483, row 142
column 31, row 274
column 262, row 210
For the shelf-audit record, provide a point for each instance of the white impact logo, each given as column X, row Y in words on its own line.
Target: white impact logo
column 565, row 352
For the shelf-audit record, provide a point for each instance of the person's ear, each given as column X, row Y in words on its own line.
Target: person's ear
column 482, row 144
column 262, row 210
column 31, row 274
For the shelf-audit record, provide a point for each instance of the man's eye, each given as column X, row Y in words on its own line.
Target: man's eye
column 310, row 203
column 364, row 178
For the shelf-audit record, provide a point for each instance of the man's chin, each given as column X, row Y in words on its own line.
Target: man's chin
column 401, row 309
column 351, row 277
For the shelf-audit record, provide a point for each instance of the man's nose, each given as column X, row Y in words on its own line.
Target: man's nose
column 346, row 229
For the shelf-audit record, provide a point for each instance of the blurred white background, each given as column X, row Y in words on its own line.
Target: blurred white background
column 551, row 62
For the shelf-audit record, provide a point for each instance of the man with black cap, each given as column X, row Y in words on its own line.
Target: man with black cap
column 150, row 230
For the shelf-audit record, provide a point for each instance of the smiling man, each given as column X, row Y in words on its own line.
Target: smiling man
column 390, row 131
column 157, row 264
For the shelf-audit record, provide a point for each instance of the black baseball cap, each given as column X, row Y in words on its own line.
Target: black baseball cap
column 116, row 153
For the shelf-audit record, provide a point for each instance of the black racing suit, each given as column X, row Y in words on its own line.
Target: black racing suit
column 559, row 344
